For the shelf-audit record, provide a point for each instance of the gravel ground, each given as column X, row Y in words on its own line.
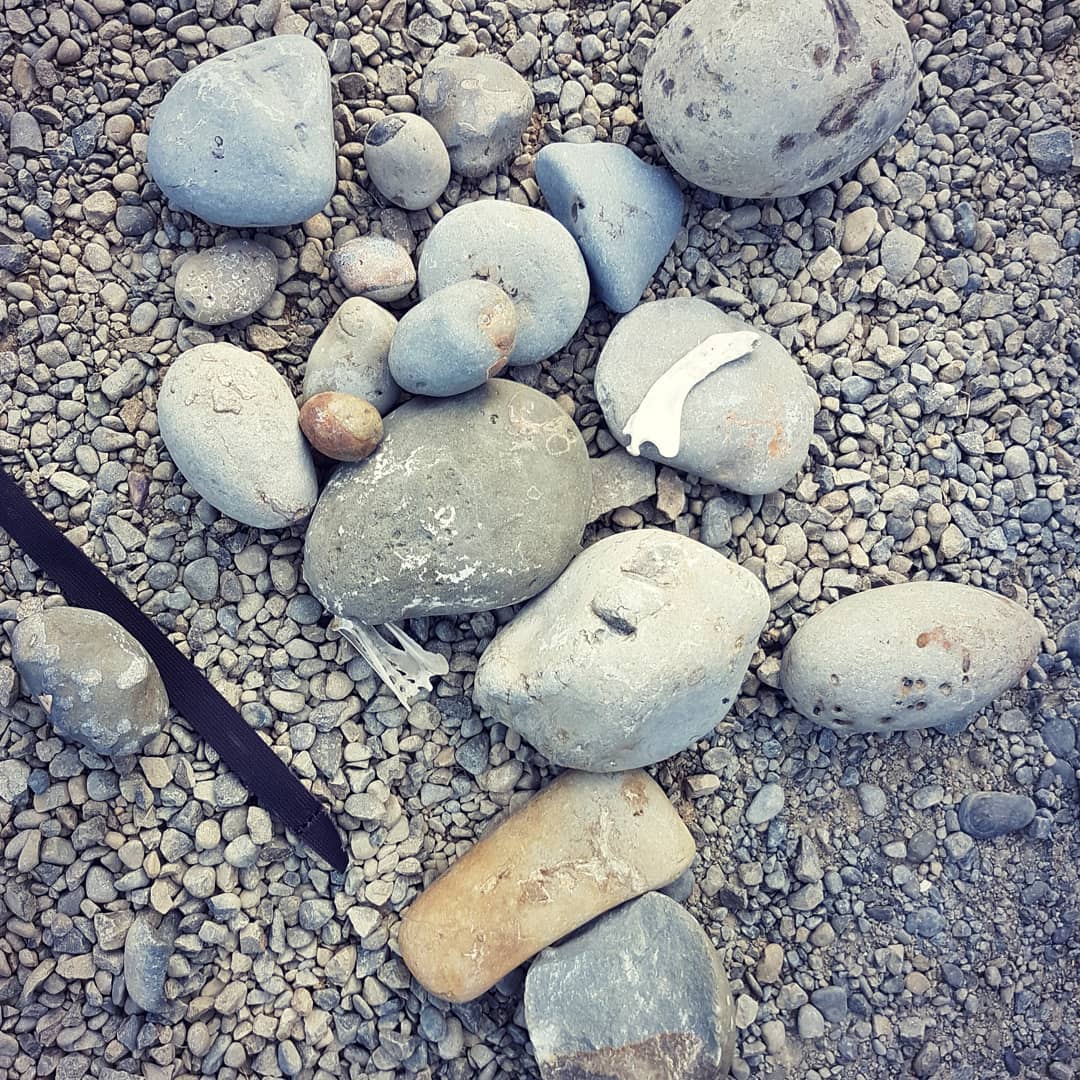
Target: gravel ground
column 866, row 935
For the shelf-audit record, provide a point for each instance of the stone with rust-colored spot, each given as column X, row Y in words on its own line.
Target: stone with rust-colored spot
column 746, row 426
column 637, row 650
column 374, row 267
column 582, row 846
column 767, row 99
column 341, row 426
column 666, row 1014
column 921, row 654
column 454, row 340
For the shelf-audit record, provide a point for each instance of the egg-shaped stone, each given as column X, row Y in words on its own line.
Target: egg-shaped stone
column 760, row 98
column 746, row 426
column 231, row 425
column 341, row 426
column 921, row 654
column 469, row 503
column 637, row 650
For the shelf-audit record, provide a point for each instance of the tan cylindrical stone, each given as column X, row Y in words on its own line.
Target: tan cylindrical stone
column 583, row 845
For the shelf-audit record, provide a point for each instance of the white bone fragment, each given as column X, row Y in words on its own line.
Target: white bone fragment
column 658, row 419
column 408, row 671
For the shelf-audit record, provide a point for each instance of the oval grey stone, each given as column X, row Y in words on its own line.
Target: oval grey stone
column 746, row 426
column 637, row 650
column 406, row 160
column 469, row 503
column 97, row 684
column 351, row 356
column 986, row 814
column 374, row 267
column 227, row 282
column 528, row 254
column 593, row 1013
column 454, row 340
column 231, row 425
column 246, row 139
column 748, row 104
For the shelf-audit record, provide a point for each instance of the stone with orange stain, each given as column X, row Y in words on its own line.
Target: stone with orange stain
column 374, row 267
column 583, row 845
column 341, row 426
column 921, row 654
column 746, row 426
column 454, row 340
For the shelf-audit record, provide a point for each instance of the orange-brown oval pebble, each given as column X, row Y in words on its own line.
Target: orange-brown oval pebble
column 341, row 426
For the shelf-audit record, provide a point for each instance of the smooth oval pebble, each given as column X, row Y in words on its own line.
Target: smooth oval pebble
column 231, row 425
column 470, row 503
column 406, row 160
column 341, row 426
column 351, row 356
column 583, row 845
column 528, row 254
column 455, row 340
column 666, row 1014
column 224, row 283
column 636, row 651
column 746, row 426
column 374, row 267
column 988, row 814
column 96, row 683
column 921, row 654
column 480, row 107
column 760, row 100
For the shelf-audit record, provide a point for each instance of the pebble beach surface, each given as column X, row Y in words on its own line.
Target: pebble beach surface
column 880, row 905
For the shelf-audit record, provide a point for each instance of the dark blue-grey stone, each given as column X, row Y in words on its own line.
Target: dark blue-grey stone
column 147, row 950
column 638, row 992
column 246, row 139
column 1069, row 641
column 1051, row 151
column 1059, row 736
column 84, row 137
column 964, row 224
column 623, row 213
column 986, row 814
column 831, row 1002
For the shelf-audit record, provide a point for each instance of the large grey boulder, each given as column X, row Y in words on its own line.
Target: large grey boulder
column 759, row 98
column 921, row 654
column 469, row 503
column 637, row 650
column 528, row 254
column 623, row 213
column 746, row 426
column 638, row 993
column 247, row 138
column 351, row 356
column 480, row 107
column 97, row 684
column 231, row 425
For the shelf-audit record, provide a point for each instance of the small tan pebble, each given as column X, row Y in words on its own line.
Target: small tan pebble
column 585, row 844
column 341, row 426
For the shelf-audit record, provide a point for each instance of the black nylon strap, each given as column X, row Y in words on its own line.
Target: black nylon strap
column 212, row 717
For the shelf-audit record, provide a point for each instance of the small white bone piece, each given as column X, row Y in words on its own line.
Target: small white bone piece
column 408, row 671
column 658, row 419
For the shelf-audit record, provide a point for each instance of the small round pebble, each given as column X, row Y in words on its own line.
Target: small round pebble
column 341, row 426
column 407, row 161
column 454, row 340
column 374, row 267
column 225, row 283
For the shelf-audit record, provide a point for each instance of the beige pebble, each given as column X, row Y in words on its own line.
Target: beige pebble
column 583, row 845
column 341, row 426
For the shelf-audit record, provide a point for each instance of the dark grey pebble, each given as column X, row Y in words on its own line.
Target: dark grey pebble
column 986, row 814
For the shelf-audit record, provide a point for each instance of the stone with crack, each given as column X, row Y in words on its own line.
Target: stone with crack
column 637, row 650
column 585, row 844
column 97, row 684
column 668, row 1013
column 759, row 100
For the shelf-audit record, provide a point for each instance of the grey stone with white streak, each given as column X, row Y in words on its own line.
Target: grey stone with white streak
column 915, row 655
column 748, row 104
column 224, row 283
column 746, row 426
column 469, row 503
column 668, row 1012
column 528, row 254
column 231, row 425
column 637, row 650
column 97, row 684
column 246, row 138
